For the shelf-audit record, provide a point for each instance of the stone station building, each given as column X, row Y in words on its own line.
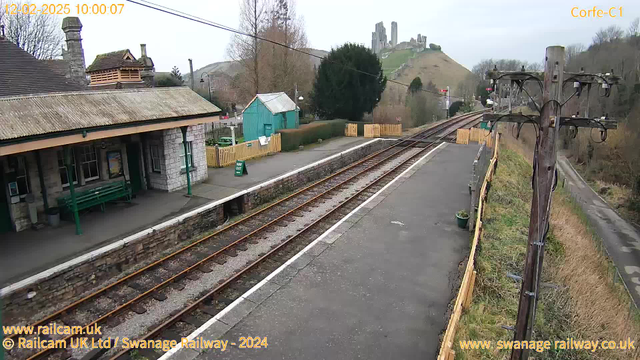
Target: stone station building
column 138, row 136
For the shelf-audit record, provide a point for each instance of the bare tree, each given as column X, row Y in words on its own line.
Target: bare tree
column 284, row 66
column 571, row 52
column 38, row 34
column 612, row 33
column 634, row 28
column 245, row 49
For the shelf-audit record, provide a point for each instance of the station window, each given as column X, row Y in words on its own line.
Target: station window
column 22, row 177
column 64, row 179
column 156, row 158
column 89, row 163
column 189, row 155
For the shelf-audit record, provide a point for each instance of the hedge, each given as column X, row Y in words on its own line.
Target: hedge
column 310, row 133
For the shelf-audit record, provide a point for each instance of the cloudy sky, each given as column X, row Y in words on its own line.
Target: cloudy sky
column 468, row 31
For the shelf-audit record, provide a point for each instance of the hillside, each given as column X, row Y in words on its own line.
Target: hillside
column 429, row 65
column 231, row 68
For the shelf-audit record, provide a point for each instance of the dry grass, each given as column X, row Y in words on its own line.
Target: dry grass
column 589, row 304
column 600, row 307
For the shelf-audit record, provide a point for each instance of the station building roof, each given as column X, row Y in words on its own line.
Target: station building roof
column 34, row 117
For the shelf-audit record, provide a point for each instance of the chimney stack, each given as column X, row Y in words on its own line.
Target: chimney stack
column 149, row 70
column 74, row 55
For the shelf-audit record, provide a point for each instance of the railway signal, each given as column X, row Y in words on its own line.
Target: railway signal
column 544, row 179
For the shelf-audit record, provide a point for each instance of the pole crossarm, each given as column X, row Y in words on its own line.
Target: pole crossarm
column 514, row 75
column 585, row 78
column 564, row 120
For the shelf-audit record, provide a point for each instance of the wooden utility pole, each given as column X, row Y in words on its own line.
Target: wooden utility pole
column 543, row 182
column 544, row 176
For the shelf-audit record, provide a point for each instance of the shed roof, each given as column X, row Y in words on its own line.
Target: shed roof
column 114, row 60
column 276, row 102
column 31, row 115
column 21, row 73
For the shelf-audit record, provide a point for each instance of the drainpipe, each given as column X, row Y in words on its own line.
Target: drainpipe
column 186, row 158
column 74, row 204
column 42, row 185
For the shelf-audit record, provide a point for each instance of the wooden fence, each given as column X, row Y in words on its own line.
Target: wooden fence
column 464, row 136
column 390, row 129
column 463, row 300
column 372, row 130
column 351, row 130
column 225, row 156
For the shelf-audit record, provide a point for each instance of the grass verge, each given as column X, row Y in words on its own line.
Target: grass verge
column 586, row 305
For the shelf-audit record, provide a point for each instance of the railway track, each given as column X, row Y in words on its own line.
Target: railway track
column 157, row 283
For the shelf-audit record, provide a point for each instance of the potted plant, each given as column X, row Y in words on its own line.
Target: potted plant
column 463, row 218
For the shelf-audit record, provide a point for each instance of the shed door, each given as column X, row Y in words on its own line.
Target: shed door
column 268, row 130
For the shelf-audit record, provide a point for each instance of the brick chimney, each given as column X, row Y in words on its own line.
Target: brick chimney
column 74, row 55
column 148, row 72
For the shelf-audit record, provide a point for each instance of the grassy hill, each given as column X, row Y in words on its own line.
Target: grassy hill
column 393, row 60
column 428, row 65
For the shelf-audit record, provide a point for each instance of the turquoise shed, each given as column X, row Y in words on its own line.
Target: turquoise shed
column 267, row 113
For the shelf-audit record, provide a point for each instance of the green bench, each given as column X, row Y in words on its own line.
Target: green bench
column 97, row 196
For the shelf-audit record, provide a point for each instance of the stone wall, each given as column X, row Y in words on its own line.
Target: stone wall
column 61, row 287
column 49, row 160
column 173, row 147
column 307, row 176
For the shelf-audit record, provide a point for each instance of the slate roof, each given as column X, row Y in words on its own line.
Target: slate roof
column 21, row 73
column 113, row 60
column 31, row 115
column 59, row 66
column 276, row 102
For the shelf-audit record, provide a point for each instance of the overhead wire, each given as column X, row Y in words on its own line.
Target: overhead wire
column 194, row 18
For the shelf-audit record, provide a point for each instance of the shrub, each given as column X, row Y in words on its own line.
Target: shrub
column 306, row 134
column 337, row 126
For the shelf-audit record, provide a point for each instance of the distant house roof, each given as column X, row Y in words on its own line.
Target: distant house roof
column 32, row 115
column 114, row 60
column 21, row 73
column 275, row 102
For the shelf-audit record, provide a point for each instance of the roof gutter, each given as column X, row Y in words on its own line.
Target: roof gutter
column 85, row 131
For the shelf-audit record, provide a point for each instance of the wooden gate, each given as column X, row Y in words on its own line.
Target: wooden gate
column 372, row 130
column 351, row 130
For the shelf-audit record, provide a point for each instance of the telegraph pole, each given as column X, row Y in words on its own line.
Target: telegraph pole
column 543, row 183
column 547, row 127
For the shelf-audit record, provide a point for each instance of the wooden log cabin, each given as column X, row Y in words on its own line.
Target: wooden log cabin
column 116, row 70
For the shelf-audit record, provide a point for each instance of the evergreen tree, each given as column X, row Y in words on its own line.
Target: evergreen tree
column 175, row 73
column 415, row 86
column 343, row 87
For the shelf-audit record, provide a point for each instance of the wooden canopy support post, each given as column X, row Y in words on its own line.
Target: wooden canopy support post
column 43, row 186
column 68, row 163
column 186, row 158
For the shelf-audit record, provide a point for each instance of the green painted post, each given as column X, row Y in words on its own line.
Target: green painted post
column 74, row 204
column 186, row 158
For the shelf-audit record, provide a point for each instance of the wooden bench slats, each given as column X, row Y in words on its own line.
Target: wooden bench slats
column 97, row 196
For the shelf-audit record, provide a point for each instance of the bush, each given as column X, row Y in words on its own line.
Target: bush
column 337, row 126
column 306, row 134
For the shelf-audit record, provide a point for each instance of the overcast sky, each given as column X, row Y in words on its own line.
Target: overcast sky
column 468, row 31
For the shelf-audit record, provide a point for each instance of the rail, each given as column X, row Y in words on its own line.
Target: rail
column 308, row 228
column 239, row 224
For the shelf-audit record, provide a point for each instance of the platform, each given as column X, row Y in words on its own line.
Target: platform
column 376, row 286
column 29, row 252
